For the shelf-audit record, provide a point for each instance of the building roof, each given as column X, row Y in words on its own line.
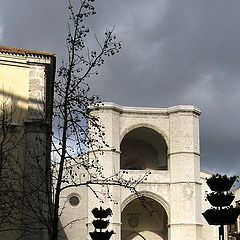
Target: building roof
column 24, row 51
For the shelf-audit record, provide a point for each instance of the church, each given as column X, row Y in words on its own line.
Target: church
column 26, row 100
column 162, row 143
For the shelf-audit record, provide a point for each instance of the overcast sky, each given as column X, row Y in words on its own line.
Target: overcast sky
column 174, row 52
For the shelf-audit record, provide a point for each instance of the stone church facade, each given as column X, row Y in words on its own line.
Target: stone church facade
column 26, row 96
column 164, row 141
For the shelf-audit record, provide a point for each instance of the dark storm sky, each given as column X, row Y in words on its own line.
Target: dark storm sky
column 174, row 52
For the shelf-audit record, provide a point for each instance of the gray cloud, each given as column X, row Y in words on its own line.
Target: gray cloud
column 174, row 52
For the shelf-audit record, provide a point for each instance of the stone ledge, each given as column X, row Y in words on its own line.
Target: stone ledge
column 184, row 152
column 188, row 182
column 148, row 110
column 177, row 224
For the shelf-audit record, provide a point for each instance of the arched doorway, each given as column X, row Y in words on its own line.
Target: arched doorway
column 144, row 235
column 143, row 148
column 144, row 220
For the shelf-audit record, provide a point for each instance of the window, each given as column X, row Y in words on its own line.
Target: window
column 74, row 200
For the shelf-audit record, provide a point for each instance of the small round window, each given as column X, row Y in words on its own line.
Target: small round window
column 74, row 200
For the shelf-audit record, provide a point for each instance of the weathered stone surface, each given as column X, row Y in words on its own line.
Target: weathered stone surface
column 178, row 189
column 28, row 76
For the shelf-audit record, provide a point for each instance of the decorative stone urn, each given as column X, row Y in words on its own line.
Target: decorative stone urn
column 223, row 216
column 101, row 224
column 220, row 199
column 223, row 213
column 219, row 183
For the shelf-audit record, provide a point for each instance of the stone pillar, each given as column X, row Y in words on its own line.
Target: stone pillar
column 35, row 182
column 37, row 161
column 37, row 98
column 184, row 160
column 109, row 116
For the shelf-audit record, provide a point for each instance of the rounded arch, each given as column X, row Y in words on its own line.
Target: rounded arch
column 148, row 194
column 144, row 220
column 145, row 125
column 144, row 235
column 143, row 146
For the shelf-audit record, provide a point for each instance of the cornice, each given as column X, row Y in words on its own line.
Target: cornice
column 148, row 110
column 22, row 55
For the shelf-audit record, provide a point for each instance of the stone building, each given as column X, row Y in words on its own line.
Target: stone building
column 164, row 141
column 26, row 99
column 234, row 229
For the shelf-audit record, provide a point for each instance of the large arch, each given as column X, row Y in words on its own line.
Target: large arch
column 143, row 148
column 148, row 194
column 145, row 125
column 144, row 220
column 143, row 235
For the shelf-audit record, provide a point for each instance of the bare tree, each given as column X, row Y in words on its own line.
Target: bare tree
column 11, row 166
column 76, row 132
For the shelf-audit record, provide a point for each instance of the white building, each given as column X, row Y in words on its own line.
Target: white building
column 166, row 142
column 234, row 230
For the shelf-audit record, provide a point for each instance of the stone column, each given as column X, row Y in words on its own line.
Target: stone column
column 35, row 182
column 36, row 178
column 185, row 188
column 109, row 115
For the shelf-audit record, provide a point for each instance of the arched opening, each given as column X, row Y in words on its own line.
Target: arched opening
column 144, row 220
column 143, row 148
